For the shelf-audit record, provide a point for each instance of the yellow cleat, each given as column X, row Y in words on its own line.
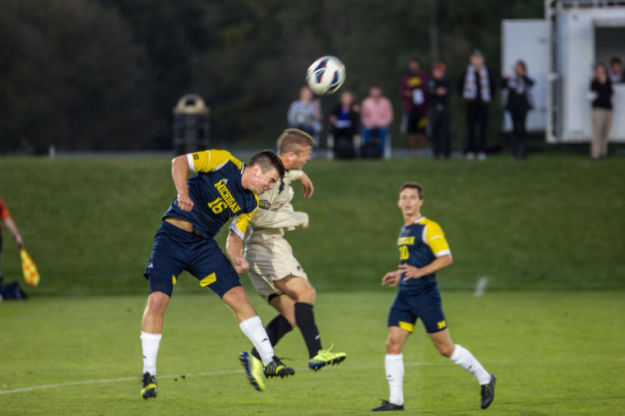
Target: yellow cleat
column 326, row 357
column 253, row 369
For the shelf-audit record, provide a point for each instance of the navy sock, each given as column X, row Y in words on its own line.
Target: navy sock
column 305, row 319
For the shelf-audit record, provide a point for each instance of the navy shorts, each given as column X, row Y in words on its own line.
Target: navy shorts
column 425, row 305
column 175, row 250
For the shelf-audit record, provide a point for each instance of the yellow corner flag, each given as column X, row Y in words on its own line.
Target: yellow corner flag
column 29, row 268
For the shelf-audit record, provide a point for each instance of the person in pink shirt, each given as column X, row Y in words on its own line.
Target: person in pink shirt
column 376, row 117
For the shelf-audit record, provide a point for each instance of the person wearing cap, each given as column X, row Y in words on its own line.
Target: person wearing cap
column 477, row 87
column 438, row 111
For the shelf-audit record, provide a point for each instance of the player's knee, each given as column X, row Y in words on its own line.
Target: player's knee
column 308, row 295
column 446, row 350
column 393, row 346
column 157, row 302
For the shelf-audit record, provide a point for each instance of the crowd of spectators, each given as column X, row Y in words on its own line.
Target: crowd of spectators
column 362, row 129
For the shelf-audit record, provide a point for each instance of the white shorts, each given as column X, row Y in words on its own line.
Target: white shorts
column 269, row 261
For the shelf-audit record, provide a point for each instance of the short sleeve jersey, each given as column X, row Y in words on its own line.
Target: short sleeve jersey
column 217, row 194
column 420, row 243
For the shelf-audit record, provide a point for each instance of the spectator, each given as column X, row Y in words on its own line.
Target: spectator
column 616, row 70
column 518, row 105
column 305, row 114
column 377, row 115
column 601, row 96
column 477, row 87
column 5, row 216
column 344, row 121
column 438, row 111
column 412, row 94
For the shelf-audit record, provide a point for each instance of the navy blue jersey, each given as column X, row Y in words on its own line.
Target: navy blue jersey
column 420, row 243
column 217, row 194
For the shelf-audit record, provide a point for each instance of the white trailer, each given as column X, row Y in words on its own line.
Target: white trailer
column 561, row 51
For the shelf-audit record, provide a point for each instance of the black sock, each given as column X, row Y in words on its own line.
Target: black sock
column 276, row 329
column 305, row 319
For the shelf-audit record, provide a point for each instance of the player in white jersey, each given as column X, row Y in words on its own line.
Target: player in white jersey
column 275, row 273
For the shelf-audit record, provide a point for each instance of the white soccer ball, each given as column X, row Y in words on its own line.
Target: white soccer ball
column 326, row 75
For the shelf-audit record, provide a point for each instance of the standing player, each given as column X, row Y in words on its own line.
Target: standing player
column 275, row 273
column 423, row 250
column 222, row 188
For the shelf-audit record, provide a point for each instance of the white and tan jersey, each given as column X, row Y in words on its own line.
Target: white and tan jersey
column 275, row 214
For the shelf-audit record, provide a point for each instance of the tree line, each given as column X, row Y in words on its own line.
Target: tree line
column 91, row 75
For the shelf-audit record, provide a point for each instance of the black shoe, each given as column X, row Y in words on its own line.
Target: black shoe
column 488, row 392
column 149, row 386
column 277, row 368
column 386, row 405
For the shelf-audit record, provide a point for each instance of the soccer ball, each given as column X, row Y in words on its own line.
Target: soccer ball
column 326, row 75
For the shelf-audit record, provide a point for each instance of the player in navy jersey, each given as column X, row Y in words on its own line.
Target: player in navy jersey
column 423, row 250
column 222, row 188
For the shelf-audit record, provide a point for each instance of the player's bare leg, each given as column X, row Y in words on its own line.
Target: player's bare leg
column 394, row 368
column 303, row 294
column 151, row 333
column 463, row 357
column 252, row 327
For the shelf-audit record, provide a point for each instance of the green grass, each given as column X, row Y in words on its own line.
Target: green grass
column 553, row 222
column 553, row 354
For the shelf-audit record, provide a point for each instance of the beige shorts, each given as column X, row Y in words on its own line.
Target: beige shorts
column 269, row 261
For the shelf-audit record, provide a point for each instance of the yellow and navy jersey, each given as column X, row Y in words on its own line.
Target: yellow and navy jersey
column 420, row 243
column 217, row 194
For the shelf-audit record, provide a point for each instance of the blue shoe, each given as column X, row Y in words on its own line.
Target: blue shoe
column 149, row 389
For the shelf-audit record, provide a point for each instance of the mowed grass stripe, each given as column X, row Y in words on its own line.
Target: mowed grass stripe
column 553, row 353
column 344, row 367
column 554, row 222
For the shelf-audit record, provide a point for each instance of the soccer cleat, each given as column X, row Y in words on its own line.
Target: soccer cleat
column 253, row 369
column 488, row 392
column 386, row 405
column 277, row 368
column 326, row 357
column 149, row 386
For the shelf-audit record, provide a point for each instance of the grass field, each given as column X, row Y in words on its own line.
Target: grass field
column 553, row 354
column 546, row 233
column 552, row 222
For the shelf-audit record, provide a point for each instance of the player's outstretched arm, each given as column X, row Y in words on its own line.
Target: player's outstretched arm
column 14, row 232
column 234, row 249
column 307, row 186
column 411, row 272
column 180, row 175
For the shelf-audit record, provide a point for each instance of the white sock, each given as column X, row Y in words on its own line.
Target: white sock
column 394, row 366
column 150, row 343
column 253, row 329
column 466, row 360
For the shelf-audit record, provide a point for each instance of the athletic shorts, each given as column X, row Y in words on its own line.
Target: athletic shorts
column 175, row 250
column 269, row 261
column 417, row 121
column 425, row 305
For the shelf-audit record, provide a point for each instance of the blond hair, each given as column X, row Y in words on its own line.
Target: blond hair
column 293, row 140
